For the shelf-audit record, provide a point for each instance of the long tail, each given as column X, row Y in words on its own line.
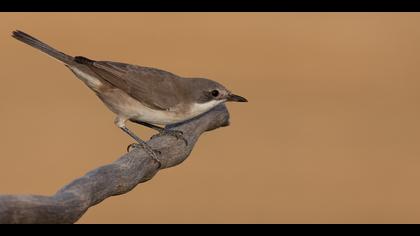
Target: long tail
column 26, row 38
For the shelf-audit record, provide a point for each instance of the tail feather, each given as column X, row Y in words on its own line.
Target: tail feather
column 26, row 38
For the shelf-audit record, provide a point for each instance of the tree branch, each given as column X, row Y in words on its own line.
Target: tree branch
column 119, row 177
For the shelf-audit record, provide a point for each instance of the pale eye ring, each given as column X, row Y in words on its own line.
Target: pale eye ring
column 215, row 93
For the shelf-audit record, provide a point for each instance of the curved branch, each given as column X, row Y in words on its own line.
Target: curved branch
column 119, row 177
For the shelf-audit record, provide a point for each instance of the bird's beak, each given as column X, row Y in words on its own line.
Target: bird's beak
column 235, row 98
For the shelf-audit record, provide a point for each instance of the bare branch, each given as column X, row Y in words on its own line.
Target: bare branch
column 119, row 177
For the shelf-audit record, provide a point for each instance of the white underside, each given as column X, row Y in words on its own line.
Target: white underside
column 90, row 80
column 170, row 117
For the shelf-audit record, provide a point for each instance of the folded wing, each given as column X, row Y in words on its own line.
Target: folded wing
column 153, row 87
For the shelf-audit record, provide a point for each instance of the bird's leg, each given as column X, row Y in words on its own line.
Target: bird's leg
column 162, row 131
column 140, row 143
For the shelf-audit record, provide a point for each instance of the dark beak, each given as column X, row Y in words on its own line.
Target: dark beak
column 235, row 98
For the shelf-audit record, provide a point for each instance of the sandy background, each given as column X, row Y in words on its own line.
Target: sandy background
column 330, row 135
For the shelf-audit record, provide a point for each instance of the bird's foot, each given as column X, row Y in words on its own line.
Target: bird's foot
column 175, row 133
column 149, row 150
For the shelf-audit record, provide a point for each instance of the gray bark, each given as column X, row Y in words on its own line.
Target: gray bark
column 119, row 177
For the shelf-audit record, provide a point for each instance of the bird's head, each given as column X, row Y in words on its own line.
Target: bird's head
column 207, row 94
column 210, row 91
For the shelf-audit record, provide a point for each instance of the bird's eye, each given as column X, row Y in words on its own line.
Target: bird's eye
column 215, row 93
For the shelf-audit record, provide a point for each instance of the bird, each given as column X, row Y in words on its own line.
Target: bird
column 144, row 95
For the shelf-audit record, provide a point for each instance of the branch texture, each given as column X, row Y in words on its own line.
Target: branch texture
column 119, row 177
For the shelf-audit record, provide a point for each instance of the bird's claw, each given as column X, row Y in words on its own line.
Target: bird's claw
column 152, row 153
column 175, row 133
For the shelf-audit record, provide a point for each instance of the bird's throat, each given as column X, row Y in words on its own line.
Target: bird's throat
column 200, row 108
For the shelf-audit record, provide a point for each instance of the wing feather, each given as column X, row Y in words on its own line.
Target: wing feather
column 154, row 88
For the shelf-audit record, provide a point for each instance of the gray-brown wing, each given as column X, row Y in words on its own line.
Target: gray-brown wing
column 153, row 87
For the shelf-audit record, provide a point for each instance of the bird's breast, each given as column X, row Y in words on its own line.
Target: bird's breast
column 177, row 114
column 125, row 106
column 180, row 113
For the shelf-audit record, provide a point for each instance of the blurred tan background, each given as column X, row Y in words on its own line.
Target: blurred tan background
column 330, row 135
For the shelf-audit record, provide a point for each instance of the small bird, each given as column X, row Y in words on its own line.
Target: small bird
column 143, row 95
